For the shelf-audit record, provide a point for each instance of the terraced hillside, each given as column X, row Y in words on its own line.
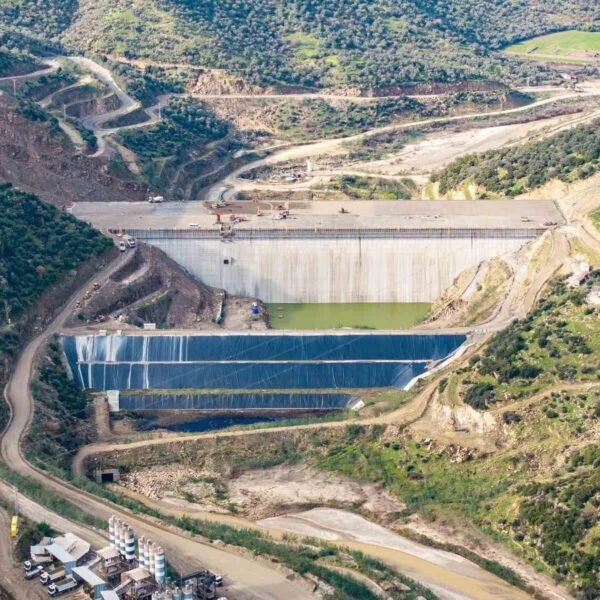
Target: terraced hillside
column 360, row 43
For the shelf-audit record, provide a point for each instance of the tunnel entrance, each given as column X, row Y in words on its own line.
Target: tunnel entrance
column 106, row 475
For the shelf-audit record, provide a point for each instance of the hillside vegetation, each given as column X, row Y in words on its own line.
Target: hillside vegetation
column 15, row 63
column 568, row 156
column 536, row 485
column 364, row 43
column 40, row 247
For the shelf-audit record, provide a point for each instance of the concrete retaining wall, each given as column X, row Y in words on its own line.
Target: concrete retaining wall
column 334, row 270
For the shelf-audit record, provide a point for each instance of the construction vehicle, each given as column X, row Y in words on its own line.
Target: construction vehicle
column 52, row 576
column 14, row 526
column 34, row 571
column 62, row 587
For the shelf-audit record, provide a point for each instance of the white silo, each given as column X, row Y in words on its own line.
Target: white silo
column 160, row 566
column 150, row 557
column 188, row 592
column 130, row 545
column 142, row 552
column 118, row 534
column 123, row 538
column 111, row 531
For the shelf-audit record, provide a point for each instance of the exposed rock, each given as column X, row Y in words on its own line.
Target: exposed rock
column 35, row 159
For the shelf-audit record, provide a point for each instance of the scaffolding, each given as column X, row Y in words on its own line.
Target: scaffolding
column 525, row 233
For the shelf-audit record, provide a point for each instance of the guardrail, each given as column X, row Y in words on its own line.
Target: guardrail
column 325, row 233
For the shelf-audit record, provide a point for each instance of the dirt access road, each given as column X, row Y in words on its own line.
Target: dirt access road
column 251, row 579
column 335, row 145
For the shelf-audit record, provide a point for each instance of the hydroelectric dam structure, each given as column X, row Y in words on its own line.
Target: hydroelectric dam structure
column 335, row 265
column 374, row 252
column 396, row 252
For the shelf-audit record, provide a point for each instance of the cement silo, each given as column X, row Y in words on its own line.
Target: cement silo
column 142, row 552
column 160, row 565
column 129, row 544
column 111, row 531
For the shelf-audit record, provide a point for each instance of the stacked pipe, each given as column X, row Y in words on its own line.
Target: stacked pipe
column 160, row 567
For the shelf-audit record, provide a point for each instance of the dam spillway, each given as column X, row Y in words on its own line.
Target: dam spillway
column 259, row 361
column 335, row 266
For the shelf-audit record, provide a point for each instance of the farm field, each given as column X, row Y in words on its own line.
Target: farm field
column 564, row 46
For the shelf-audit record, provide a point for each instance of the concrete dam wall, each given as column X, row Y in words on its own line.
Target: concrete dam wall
column 413, row 267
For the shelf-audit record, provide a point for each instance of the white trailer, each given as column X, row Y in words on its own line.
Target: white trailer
column 62, row 587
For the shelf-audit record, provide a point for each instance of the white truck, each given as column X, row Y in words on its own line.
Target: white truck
column 34, row 571
column 130, row 241
column 62, row 587
column 52, row 576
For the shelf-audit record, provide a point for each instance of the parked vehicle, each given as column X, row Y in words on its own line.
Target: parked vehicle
column 47, row 577
column 122, row 246
column 218, row 580
column 130, row 242
column 62, row 587
column 34, row 571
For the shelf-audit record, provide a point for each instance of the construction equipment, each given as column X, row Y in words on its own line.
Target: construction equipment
column 62, row 587
column 14, row 526
column 52, row 576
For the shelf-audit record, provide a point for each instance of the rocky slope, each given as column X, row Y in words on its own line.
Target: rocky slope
column 36, row 156
column 150, row 287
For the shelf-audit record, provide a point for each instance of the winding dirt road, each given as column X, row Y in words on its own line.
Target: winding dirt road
column 332, row 145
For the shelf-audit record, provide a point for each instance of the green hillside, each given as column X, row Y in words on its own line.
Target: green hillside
column 40, row 247
column 368, row 43
column 568, row 156
column 564, row 46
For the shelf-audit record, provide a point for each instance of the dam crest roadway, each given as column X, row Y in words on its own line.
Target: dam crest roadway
column 375, row 252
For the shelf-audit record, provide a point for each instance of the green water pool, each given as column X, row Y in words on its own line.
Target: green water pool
column 335, row 316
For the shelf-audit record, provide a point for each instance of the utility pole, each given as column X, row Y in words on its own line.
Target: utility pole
column 14, row 87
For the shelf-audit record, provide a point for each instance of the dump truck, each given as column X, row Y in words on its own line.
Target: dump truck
column 52, row 576
column 33, row 572
column 62, row 587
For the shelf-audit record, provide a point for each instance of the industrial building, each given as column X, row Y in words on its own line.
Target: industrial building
column 69, row 550
column 127, row 569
